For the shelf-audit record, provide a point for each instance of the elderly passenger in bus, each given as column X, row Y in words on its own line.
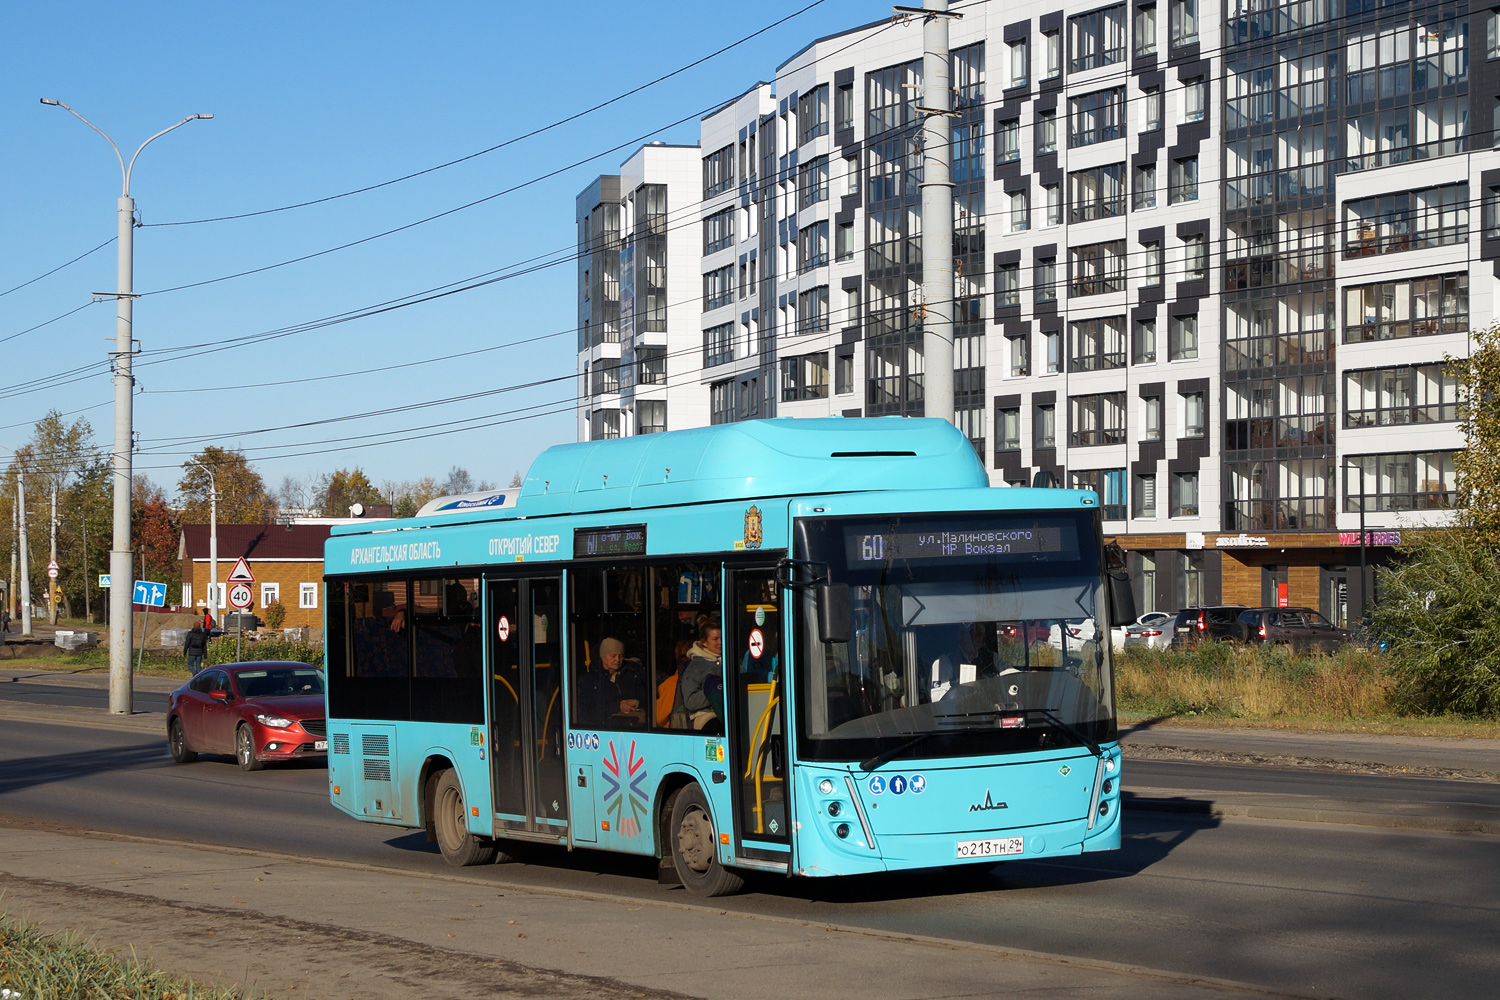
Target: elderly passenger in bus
column 615, row 693
column 702, row 678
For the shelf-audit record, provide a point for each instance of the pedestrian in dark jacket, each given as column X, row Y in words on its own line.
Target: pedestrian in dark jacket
column 195, row 645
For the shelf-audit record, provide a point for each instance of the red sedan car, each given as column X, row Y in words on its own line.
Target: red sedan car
column 259, row 712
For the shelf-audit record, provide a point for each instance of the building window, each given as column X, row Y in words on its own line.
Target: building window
column 1145, row 187
column 1053, row 342
column 812, row 115
column 721, row 402
column 843, row 110
column 843, row 241
column 1184, row 21
column 970, row 419
column 812, row 182
column 1020, row 211
column 1009, row 421
column 718, row 287
column 1046, row 131
column 1046, row 279
column 1193, row 99
column 1195, row 257
column 1097, row 38
column 718, row 231
column 812, row 311
column 1145, row 30
column 1407, row 220
column 1492, row 34
column 1151, row 109
column 651, row 365
column 1053, row 42
column 1020, row 60
column 843, row 374
column 1098, row 268
column 1423, row 131
column 1097, row 344
column 604, row 424
column 718, row 345
column 1145, row 498
column 1184, row 494
column 605, row 377
column 1096, row 193
column 270, row 593
column 1096, row 117
column 1183, row 184
column 1008, row 141
column 1182, row 338
column 1151, row 265
column 1402, row 481
column 1193, row 415
column 1145, row 341
column 1151, row 418
column 1046, row 426
column 812, row 246
column 1392, row 310
column 1097, row 419
column 1008, row 285
column 1109, row 484
column 851, row 306
column 650, row 416
column 1053, row 194
column 307, row 595
column 718, row 171
column 1020, row 355
column 1409, row 394
column 967, row 160
column 805, row 377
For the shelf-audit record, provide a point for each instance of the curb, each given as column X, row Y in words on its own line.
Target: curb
column 137, row 722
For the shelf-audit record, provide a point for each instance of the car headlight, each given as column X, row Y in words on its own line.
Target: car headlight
column 274, row 721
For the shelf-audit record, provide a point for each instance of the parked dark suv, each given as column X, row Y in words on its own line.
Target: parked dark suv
column 1301, row 628
column 1205, row 624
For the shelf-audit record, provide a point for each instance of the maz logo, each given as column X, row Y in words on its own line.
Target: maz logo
column 987, row 804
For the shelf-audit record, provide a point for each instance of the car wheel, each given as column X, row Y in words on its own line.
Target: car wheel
column 695, row 847
column 244, row 750
column 177, row 743
column 450, row 822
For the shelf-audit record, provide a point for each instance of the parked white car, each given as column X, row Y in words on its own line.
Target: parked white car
column 1152, row 630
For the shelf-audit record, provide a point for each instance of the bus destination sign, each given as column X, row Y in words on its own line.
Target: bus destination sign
column 624, row 540
column 955, row 544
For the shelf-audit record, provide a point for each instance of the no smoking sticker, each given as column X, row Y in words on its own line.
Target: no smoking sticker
column 757, row 643
column 503, row 628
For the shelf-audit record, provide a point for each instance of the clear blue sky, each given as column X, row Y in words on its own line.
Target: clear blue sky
column 312, row 100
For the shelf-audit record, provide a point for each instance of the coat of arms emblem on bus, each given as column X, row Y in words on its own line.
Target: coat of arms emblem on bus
column 752, row 528
column 624, row 798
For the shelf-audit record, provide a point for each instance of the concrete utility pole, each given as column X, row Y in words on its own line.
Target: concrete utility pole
column 51, row 561
column 15, row 542
column 937, row 210
column 122, row 590
column 212, row 601
column 25, row 559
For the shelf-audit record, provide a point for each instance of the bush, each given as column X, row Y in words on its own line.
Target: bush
column 275, row 615
column 1439, row 608
column 221, row 650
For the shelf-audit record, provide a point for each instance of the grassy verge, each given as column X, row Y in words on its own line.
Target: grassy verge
column 39, row 966
column 1219, row 683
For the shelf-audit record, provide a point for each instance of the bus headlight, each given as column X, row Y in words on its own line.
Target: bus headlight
column 842, row 831
column 825, row 786
column 1109, row 764
column 834, row 808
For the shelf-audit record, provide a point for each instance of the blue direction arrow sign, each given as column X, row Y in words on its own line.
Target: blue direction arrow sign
column 153, row 595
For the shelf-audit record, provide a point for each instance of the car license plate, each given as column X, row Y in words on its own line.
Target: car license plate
column 989, row 848
column 320, row 744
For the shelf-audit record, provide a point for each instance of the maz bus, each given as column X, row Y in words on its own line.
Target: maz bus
column 915, row 667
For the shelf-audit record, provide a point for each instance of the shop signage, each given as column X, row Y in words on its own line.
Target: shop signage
column 1371, row 538
column 1242, row 541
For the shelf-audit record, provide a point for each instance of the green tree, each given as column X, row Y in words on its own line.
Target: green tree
column 345, row 487
column 242, row 493
column 1478, row 465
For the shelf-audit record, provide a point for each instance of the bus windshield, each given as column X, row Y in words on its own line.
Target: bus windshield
column 968, row 634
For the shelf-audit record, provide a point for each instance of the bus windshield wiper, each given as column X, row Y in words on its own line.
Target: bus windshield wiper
column 891, row 754
column 1060, row 724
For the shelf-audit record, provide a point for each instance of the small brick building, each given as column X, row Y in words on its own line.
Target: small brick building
column 286, row 560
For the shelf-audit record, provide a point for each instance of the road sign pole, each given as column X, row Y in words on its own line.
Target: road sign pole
column 145, row 621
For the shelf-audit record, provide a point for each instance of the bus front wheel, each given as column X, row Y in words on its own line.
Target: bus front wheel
column 695, row 847
column 450, row 820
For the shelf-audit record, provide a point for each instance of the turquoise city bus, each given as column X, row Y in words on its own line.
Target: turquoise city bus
column 805, row 647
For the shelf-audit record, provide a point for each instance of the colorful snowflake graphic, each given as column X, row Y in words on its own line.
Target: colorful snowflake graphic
column 624, row 798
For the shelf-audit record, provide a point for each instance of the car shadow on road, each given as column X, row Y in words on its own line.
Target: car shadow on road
column 1145, row 725
column 26, row 772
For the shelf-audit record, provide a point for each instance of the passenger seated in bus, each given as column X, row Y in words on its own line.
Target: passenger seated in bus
column 615, row 694
column 705, row 660
column 667, row 701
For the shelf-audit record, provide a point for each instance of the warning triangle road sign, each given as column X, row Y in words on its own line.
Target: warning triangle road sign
column 241, row 572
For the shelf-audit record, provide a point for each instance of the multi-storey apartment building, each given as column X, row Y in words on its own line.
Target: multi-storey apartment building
column 1210, row 263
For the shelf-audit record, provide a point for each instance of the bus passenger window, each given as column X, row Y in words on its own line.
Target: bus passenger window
column 685, row 602
column 607, row 675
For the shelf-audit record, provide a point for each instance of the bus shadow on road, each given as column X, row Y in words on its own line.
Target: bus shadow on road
column 28, row 772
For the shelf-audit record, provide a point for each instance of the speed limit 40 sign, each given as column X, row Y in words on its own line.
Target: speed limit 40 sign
column 240, row 596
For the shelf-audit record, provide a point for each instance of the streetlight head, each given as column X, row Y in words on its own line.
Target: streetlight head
column 55, row 104
column 204, row 117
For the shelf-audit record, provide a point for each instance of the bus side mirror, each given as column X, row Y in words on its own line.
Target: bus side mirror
column 1121, row 599
column 833, row 612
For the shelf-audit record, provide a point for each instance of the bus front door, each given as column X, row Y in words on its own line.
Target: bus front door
column 530, row 789
column 753, row 649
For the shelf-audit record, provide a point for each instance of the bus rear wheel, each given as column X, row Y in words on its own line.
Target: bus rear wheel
column 450, row 821
column 695, row 847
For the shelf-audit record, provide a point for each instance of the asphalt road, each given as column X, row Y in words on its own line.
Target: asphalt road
column 76, row 695
column 1310, row 909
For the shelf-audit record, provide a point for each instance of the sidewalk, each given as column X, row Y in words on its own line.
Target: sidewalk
column 274, row 925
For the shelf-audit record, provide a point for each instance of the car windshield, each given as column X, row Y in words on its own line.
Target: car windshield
column 279, row 682
column 983, row 627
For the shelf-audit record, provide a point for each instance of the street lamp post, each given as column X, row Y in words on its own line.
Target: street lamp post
column 121, row 591
column 213, row 540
